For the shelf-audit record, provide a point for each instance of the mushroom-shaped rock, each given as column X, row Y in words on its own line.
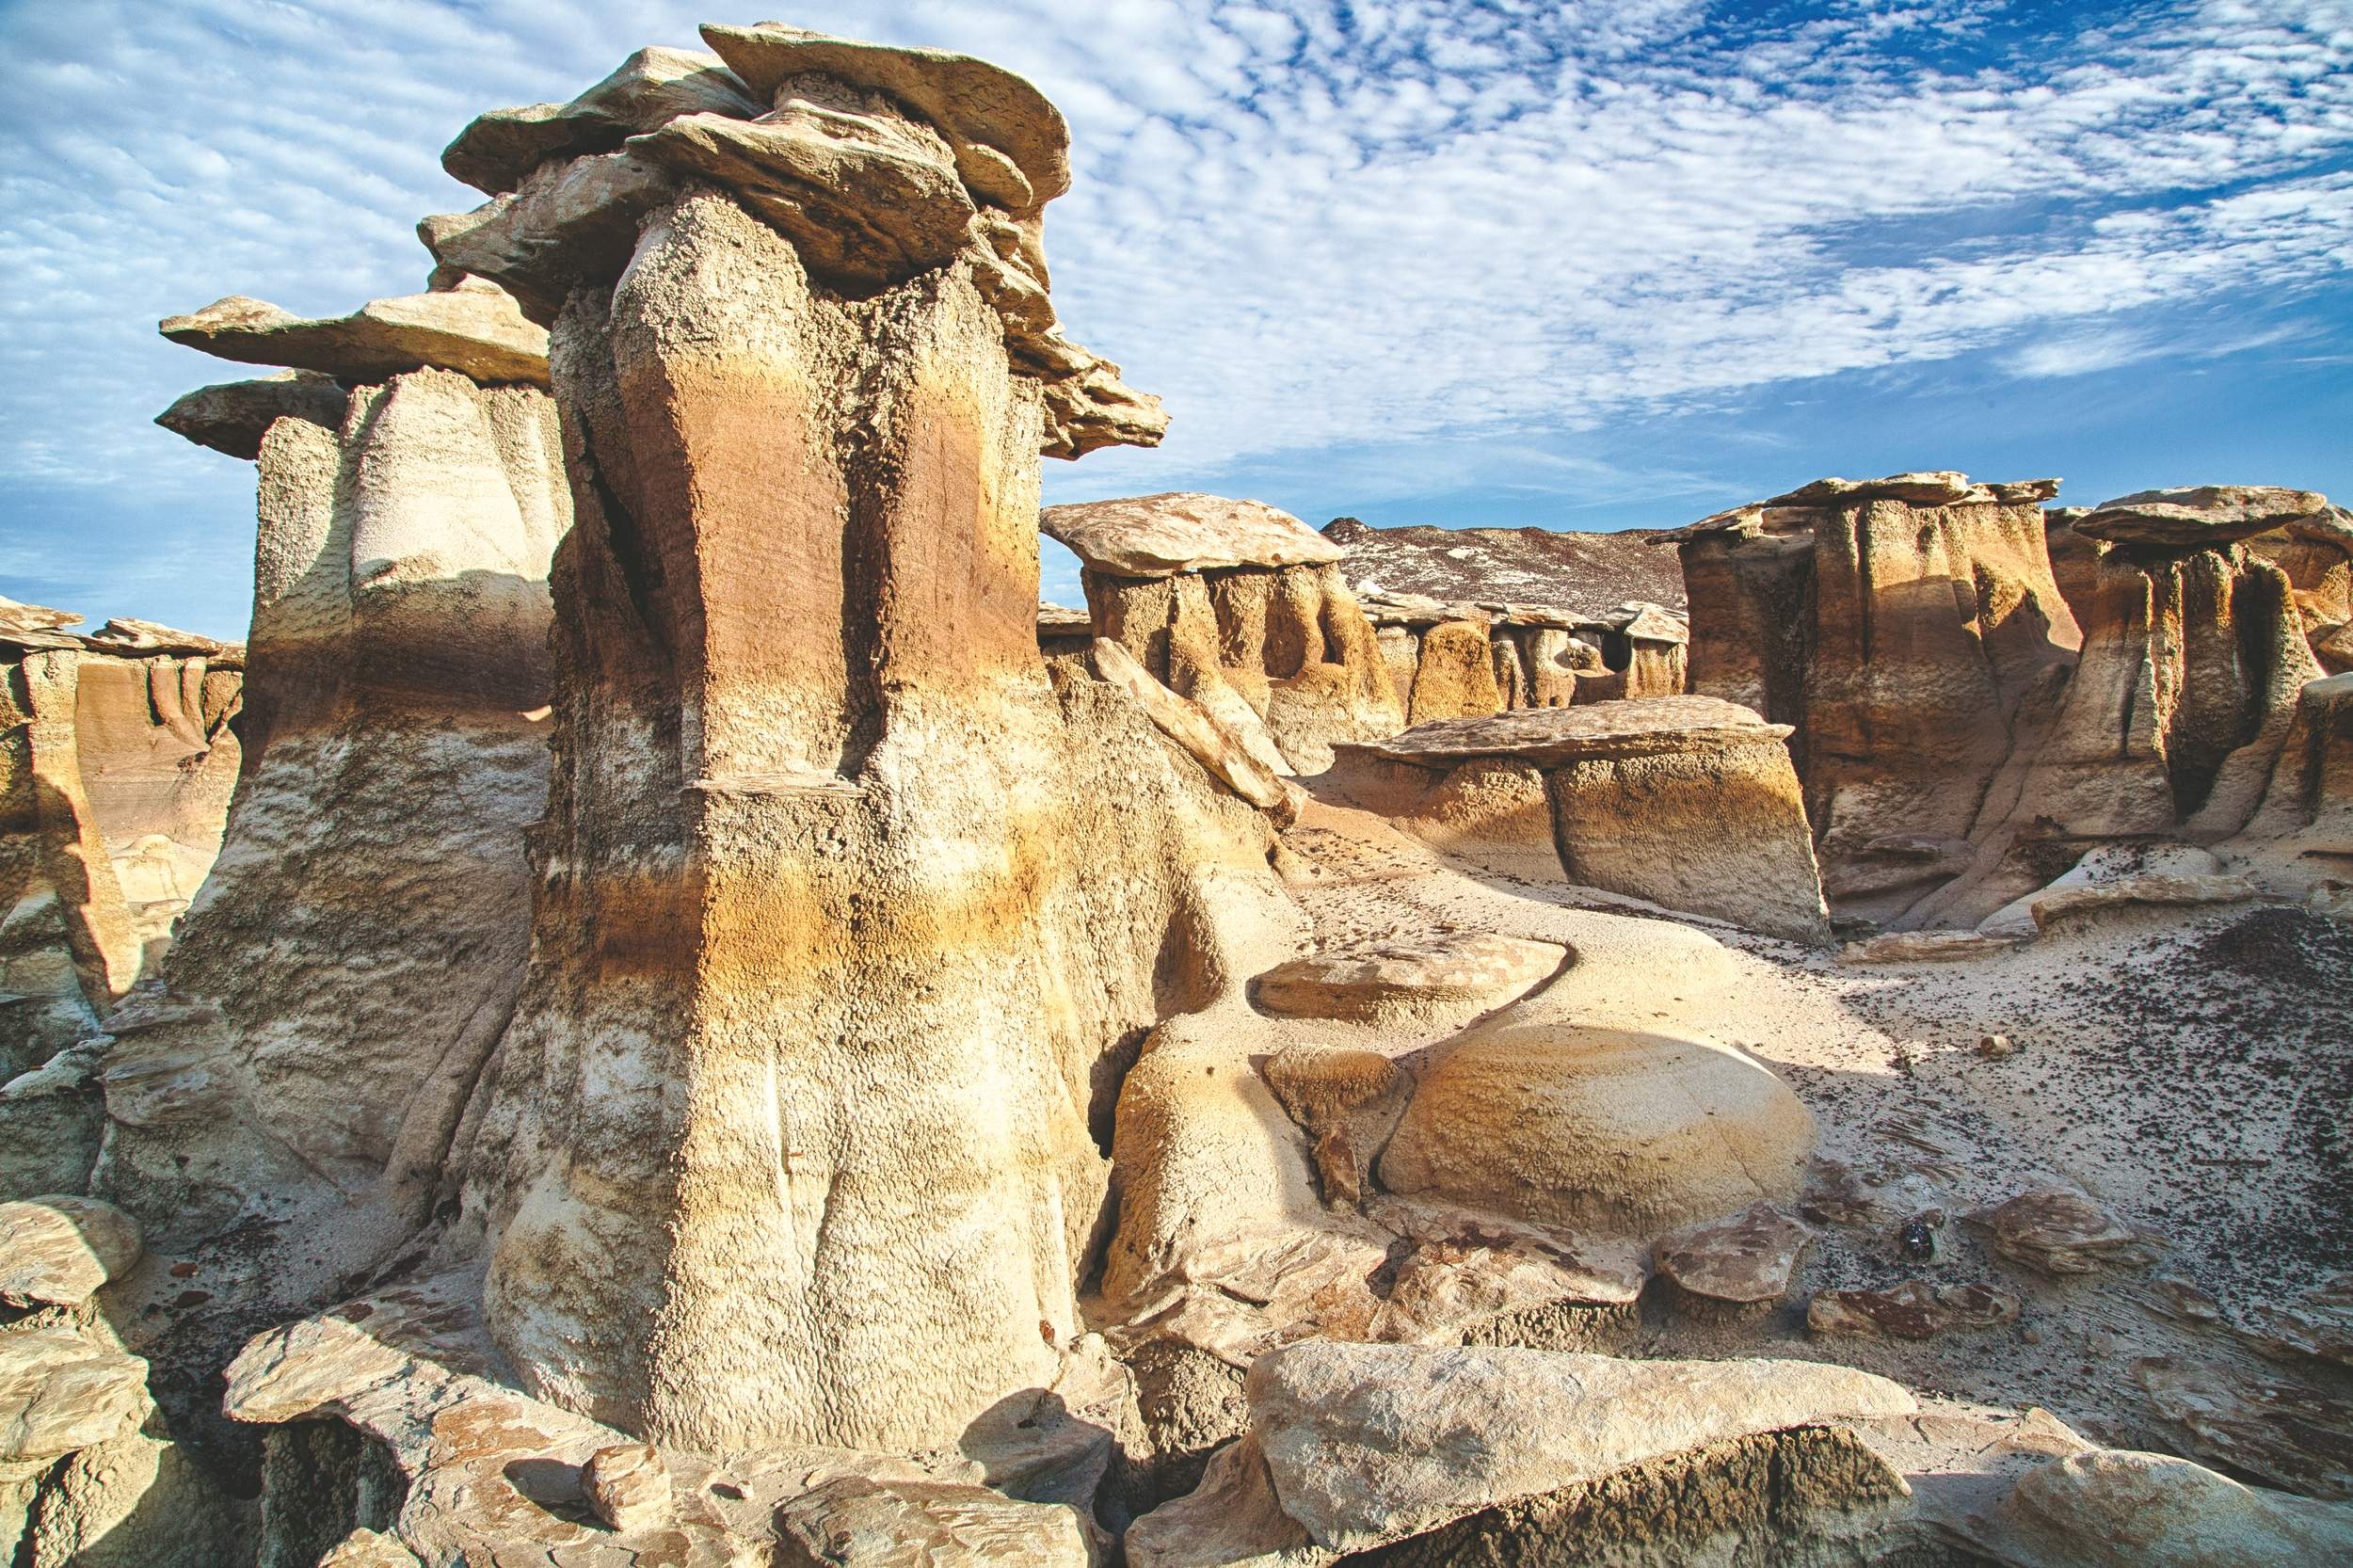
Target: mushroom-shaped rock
column 1608, row 1132
column 477, row 331
column 57, row 1250
column 1368, row 1444
column 232, row 416
column 2115, row 1508
column 2199, row 517
column 1366, row 980
column 1159, row 535
column 1010, row 144
column 649, row 89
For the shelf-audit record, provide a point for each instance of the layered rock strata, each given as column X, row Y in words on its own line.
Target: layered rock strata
column 2174, row 723
column 1911, row 631
column 1687, row 802
column 1240, row 608
column 394, row 748
column 846, row 912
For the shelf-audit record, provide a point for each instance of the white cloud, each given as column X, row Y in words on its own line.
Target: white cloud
column 1306, row 225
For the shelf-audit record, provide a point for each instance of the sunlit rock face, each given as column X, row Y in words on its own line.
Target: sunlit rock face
column 1909, row 628
column 845, row 909
column 343, row 972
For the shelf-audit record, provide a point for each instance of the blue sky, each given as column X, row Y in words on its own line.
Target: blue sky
column 1578, row 265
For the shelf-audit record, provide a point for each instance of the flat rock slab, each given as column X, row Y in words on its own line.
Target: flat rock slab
column 1635, row 727
column 1744, row 1259
column 1927, row 947
column 57, row 1251
column 2198, row 516
column 1012, row 145
column 856, row 1523
column 478, row 332
column 1159, row 535
column 1364, row 979
column 233, row 416
column 2278, row 1430
column 2060, row 1231
column 61, row 1392
column 2156, row 887
column 1914, row 1310
column 2115, row 1508
column 1368, row 1444
column 649, row 89
column 2318, row 1324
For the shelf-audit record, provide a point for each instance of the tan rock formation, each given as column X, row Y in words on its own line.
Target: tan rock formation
column 1641, row 795
column 846, row 909
column 232, row 416
column 1236, row 606
column 475, row 331
column 68, row 949
column 1910, row 629
column 394, row 750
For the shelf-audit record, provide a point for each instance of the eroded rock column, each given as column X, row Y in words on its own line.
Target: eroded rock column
column 845, row 914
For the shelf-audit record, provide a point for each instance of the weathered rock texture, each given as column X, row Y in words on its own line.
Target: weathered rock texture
column 1238, row 607
column 345, row 972
column 1909, row 629
column 1585, row 574
column 844, row 911
column 1982, row 693
column 1466, row 659
column 1686, row 801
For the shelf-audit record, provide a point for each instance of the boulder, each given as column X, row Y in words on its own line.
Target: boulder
column 476, row 331
column 1162, row 535
column 2058, row 1230
column 61, row 1391
column 1910, row 1309
column 1532, row 1117
column 1743, row 1261
column 629, row 1487
column 1370, row 979
column 232, row 416
column 2112, row 1508
column 1368, row 1444
column 58, row 1250
column 1224, row 754
column 1347, row 1101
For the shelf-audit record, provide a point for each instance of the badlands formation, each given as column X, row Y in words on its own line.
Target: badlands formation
column 717, row 1030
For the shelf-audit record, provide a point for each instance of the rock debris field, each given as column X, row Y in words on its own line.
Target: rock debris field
column 663, row 1009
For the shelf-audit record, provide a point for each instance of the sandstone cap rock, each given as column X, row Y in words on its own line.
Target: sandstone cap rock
column 232, row 416
column 57, row 1250
column 1360, row 979
column 124, row 635
column 1159, row 535
column 60, row 1391
column 1654, row 623
column 1634, row 727
column 1932, row 487
column 2116, row 1508
column 1010, row 144
column 35, row 624
column 2193, row 515
column 478, row 332
column 648, row 90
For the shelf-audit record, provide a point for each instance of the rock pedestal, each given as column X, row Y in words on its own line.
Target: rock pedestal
column 1240, row 608
column 343, row 972
column 843, row 911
